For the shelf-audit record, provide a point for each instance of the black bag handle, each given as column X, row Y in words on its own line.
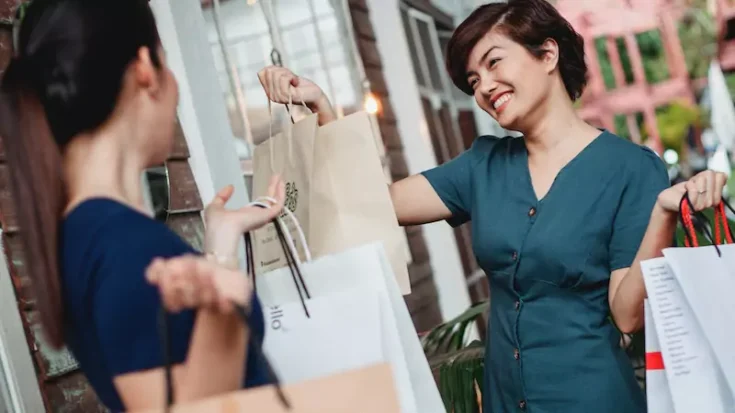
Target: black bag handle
column 244, row 312
column 694, row 222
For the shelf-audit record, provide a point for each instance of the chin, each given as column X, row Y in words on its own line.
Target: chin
column 507, row 122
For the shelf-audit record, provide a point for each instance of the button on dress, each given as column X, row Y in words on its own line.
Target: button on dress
column 551, row 346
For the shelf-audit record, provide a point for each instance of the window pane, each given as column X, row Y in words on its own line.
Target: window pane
column 413, row 46
column 342, row 82
column 430, row 54
column 457, row 94
column 249, row 46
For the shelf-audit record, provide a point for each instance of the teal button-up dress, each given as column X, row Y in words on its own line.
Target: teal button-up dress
column 551, row 347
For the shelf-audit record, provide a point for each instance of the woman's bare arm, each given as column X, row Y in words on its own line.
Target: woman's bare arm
column 214, row 365
column 416, row 202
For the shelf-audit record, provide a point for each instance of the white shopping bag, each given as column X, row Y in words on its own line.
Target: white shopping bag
column 695, row 380
column 367, row 269
column 303, row 347
column 707, row 278
column 657, row 386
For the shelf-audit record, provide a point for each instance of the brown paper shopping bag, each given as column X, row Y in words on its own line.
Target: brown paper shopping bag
column 366, row 390
column 289, row 154
column 349, row 188
column 336, row 187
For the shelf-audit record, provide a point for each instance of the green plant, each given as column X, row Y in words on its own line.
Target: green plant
column 451, row 335
column 458, row 366
column 674, row 121
column 461, row 378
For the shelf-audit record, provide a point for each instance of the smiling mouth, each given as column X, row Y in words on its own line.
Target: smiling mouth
column 500, row 103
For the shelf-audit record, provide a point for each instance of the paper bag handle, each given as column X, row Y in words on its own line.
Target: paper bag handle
column 289, row 249
column 693, row 222
column 261, row 202
column 288, row 131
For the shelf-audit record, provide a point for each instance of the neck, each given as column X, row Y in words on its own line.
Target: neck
column 100, row 164
column 557, row 123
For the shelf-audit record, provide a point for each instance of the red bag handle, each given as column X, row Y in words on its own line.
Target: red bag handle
column 687, row 216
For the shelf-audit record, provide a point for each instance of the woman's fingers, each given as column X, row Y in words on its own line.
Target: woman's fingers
column 223, row 195
column 278, row 83
column 277, row 190
column 194, row 282
column 719, row 186
column 284, row 86
column 693, row 193
column 705, row 189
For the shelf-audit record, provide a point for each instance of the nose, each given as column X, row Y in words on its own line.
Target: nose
column 488, row 85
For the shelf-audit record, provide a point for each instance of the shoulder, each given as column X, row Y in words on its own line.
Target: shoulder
column 641, row 174
column 110, row 224
column 633, row 154
column 489, row 143
column 636, row 161
column 101, row 239
column 489, row 146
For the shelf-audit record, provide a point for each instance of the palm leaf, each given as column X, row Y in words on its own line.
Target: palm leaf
column 451, row 335
column 461, row 378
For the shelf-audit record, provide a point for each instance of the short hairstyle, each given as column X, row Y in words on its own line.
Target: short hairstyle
column 529, row 23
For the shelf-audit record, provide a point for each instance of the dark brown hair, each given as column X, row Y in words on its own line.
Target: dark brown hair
column 529, row 23
column 64, row 79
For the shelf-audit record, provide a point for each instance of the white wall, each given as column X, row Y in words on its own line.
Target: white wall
column 202, row 111
column 404, row 96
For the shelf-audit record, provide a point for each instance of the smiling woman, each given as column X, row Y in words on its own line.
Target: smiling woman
column 551, row 344
column 525, row 33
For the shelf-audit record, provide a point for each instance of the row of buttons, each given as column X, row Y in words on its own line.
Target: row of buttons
column 517, row 352
column 531, row 213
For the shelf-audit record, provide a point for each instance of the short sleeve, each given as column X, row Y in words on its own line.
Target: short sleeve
column 646, row 178
column 126, row 308
column 453, row 180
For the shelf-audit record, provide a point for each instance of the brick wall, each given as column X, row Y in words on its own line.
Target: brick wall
column 423, row 302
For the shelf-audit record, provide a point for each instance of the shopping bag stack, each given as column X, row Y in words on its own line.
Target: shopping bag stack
column 344, row 309
column 329, row 374
column 336, row 187
column 692, row 314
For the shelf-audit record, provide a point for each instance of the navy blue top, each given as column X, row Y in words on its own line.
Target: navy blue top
column 551, row 345
column 111, row 312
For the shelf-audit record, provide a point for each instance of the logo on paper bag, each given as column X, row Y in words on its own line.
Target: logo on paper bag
column 292, row 196
column 276, row 318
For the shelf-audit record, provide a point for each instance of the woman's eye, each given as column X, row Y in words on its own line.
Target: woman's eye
column 493, row 62
column 473, row 83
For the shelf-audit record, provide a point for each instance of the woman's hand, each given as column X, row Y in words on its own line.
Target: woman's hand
column 225, row 228
column 283, row 86
column 190, row 281
column 704, row 190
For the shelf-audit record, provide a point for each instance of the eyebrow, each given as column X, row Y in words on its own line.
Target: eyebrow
column 482, row 59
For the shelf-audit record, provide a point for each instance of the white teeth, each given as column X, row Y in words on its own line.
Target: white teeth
column 506, row 97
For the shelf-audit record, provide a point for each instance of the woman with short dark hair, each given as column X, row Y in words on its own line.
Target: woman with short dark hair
column 561, row 218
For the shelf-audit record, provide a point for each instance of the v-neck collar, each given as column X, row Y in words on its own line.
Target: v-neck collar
column 575, row 159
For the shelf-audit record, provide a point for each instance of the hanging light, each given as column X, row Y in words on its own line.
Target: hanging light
column 251, row 2
column 370, row 102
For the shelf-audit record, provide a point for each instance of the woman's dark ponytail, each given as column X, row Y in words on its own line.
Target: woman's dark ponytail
column 38, row 191
column 70, row 60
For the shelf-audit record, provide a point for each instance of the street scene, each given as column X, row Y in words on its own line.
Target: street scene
column 367, row 206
